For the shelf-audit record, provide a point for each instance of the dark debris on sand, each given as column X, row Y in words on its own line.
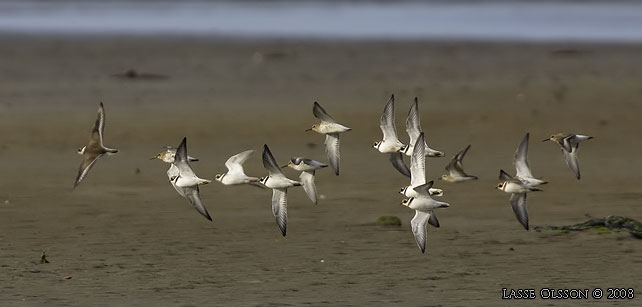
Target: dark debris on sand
column 611, row 223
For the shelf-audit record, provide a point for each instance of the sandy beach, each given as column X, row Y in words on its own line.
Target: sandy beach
column 127, row 238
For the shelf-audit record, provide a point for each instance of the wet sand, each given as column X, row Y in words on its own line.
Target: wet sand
column 128, row 239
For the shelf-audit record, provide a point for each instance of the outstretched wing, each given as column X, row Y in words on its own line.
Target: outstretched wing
column 86, row 164
column 418, row 163
column 396, row 158
column 419, row 228
column 521, row 159
column 307, row 180
column 181, row 160
column 571, row 161
column 280, row 208
column 192, row 195
column 99, row 126
column 456, row 167
column 270, row 163
column 413, row 124
column 235, row 163
column 387, row 121
column 332, row 149
column 518, row 202
column 432, row 220
column 320, row 113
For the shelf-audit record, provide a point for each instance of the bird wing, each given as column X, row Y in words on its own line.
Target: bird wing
column 332, row 149
column 456, row 167
column 307, row 180
column 571, row 161
column 419, row 228
column 396, row 158
column 418, row 163
column 314, row 163
column 521, row 159
column 88, row 161
column 99, row 126
column 181, row 160
column 280, row 208
column 192, row 195
column 235, row 163
column 413, row 124
column 270, row 163
column 387, row 121
column 320, row 113
column 504, row 175
column 424, row 189
column 432, row 220
column 518, row 202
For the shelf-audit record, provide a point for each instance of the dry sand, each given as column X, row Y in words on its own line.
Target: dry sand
column 127, row 239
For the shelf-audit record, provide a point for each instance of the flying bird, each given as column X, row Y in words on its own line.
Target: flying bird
column 423, row 205
column 168, row 154
column 331, row 129
column 279, row 184
column 235, row 173
column 418, row 177
column 413, row 128
column 517, row 190
column 521, row 165
column 390, row 143
column 456, row 169
column 569, row 144
column 307, row 167
column 185, row 181
column 95, row 147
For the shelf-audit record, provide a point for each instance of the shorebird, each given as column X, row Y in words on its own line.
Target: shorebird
column 418, row 176
column 95, row 147
column 390, row 143
column 413, row 128
column 569, row 144
column 517, row 190
column 423, row 206
column 307, row 168
column 185, row 181
column 279, row 184
column 456, row 169
column 521, row 165
column 167, row 156
column 235, row 173
column 331, row 129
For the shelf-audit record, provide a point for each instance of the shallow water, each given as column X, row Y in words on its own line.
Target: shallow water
column 477, row 20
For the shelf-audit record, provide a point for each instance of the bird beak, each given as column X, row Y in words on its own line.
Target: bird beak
column 546, row 140
column 309, row 129
column 284, row 166
column 152, row 158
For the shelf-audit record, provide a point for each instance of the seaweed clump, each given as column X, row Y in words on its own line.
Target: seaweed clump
column 611, row 223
